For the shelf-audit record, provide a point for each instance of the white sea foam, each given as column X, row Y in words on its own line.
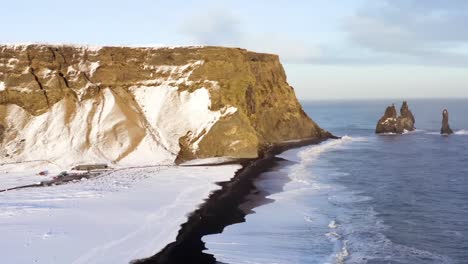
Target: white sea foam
column 388, row 134
column 343, row 254
column 311, row 153
column 332, row 224
column 413, row 131
column 461, row 132
column 405, row 132
column 347, row 197
column 308, row 218
column 333, row 236
column 362, row 238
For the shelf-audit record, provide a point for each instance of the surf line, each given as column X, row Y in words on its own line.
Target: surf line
column 221, row 209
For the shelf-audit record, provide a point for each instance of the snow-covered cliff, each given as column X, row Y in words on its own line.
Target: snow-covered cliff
column 135, row 106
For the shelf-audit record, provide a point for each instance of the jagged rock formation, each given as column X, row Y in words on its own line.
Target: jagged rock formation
column 391, row 123
column 71, row 104
column 445, row 130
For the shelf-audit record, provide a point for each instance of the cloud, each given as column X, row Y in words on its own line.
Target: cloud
column 430, row 31
column 222, row 28
column 216, row 27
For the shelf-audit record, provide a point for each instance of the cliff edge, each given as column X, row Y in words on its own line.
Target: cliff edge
column 73, row 104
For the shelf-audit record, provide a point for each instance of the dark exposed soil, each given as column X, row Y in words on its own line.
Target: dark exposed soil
column 57, row 181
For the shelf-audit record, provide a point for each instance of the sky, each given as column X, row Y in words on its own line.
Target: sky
column 331, row 49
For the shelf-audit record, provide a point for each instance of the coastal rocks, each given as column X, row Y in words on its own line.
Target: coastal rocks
column 145, row 105
column 406, row 117
column 391, row 123
column 445, row 130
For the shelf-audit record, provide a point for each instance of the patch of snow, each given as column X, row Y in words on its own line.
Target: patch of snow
column 24, row 46
column 20, row 174
column 201, row 132
column 2, row 86
column 46, row 73
column 88, row 67
column 172, row 114
column 12, row 62
column 128, row 214
column 97, row 48
column 109, row 129
column 212, row 84
column 21, row 90
column 235, row 142
column 26, row 70
column 176, row 74
column 71, row 70
column 73, row 133
column 390, row 119
column 93, row 66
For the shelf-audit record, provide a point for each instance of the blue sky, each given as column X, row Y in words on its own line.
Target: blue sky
column 330, row 48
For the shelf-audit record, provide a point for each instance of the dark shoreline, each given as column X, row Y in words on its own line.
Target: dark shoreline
column 58, row 181
column 221, row 209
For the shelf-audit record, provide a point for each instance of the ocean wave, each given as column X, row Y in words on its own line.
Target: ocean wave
column 299, row 172
column 405, row 132
column 308, row 218
column 377, row 248
column 347, row 198
column 461, row 132
column 315, row 151
column 362, row 234
column 343, row 254
column 388, row 134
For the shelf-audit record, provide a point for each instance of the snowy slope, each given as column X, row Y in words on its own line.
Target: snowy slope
column 128, row 214
column 140, row 126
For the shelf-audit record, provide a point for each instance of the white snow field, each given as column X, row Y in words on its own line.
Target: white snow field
column 128, row 213
column 124, row 215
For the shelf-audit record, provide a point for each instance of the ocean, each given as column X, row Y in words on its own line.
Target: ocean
column 364, row 198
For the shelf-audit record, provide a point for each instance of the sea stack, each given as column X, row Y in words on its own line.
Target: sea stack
column 445, row 130
column 391, row 123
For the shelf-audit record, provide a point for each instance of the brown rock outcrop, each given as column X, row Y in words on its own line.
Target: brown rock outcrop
column 249, row 98
column 445, row 130
column 391, row 123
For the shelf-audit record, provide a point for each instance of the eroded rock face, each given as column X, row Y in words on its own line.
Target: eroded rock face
column 132, row 105
column 445, row 123
column 391, row 123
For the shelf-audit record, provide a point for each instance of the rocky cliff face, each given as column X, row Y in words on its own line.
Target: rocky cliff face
column 391, row 123
column 125, row 105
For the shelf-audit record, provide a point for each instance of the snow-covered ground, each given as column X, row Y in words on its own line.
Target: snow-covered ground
column 25, row 173
column 124, row 215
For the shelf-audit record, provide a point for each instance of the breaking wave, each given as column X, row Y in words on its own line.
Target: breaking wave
column 310, row 154
column 461, row 132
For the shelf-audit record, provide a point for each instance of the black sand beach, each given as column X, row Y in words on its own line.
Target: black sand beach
column 221, row 209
